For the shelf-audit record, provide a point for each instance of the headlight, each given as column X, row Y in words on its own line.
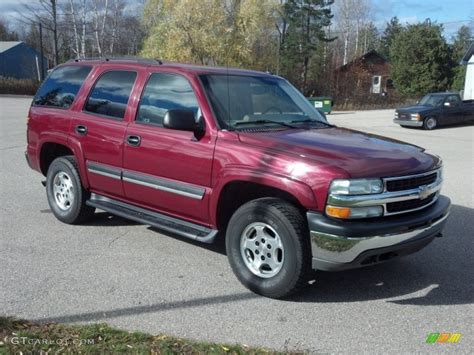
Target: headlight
column 354, row 212
column 415, row 116
column 356, row 186
column 396, row 114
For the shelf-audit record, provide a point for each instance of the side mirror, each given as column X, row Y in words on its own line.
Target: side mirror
column 447, row 104
column 180, row 119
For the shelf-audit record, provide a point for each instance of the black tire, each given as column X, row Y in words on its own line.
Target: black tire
column 427, row 125
column 290, row 225
column 77, row 211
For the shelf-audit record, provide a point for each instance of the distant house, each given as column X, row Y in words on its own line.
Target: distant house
column 20, row 61
column 468, row 60
column 367, row 74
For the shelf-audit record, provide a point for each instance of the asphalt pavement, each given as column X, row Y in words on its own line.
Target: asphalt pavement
column 133, row 277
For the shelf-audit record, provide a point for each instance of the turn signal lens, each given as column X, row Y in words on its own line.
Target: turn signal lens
column 338, row 212
column 354, row 212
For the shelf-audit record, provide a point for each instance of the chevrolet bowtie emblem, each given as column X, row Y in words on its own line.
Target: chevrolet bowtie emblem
column 423, row 192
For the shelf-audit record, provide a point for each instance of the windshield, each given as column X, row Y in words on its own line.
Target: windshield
column 432, row 100
column 241, row 101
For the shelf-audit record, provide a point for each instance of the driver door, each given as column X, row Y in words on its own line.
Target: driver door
column 452, row 109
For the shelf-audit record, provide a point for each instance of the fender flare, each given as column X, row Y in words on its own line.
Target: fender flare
column 301, row 191
column 73, row 144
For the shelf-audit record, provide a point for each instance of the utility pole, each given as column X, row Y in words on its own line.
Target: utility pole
column 41, row 50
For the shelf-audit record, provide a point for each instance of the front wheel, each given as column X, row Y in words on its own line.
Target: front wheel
column 268, row 247
column 66, row 196
column 430, row 123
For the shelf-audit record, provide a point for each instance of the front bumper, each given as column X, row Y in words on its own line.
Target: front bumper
column 408, row 123
column 339, row 245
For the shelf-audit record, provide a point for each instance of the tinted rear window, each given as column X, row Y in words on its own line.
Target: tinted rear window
column 111, row 93
column 61, row 86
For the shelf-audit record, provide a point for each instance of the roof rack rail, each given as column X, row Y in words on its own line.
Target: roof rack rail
column 124, row 58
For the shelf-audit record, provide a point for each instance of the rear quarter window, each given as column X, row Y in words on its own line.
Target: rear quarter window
column 61, row 86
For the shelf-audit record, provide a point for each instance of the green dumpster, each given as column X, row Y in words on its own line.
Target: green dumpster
column 322, row 103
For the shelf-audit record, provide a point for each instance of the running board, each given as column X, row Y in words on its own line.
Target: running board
column 155, row 219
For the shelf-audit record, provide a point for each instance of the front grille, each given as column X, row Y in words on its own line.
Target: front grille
column 404, row 116
column 400, row 206
column 411, row 182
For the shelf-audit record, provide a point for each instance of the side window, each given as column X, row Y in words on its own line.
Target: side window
column 162, row 93
column 61, row 86
column 453, row 100
column 110, row 94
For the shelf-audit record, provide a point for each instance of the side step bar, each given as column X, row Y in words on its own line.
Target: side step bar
column 155, row 219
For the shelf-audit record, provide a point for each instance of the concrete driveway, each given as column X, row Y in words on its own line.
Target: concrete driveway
column 133, row 277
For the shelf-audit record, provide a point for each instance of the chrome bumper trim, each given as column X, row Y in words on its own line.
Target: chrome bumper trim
column 408, row 123
column 339, row 250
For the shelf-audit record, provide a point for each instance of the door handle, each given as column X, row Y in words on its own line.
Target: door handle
column 81, row 130
column 133, row 140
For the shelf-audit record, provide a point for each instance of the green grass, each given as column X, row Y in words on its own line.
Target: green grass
column 27, row 337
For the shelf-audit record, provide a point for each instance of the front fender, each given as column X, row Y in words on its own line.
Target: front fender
column 302, row 192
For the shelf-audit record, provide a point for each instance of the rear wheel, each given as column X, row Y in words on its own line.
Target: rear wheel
column 430, row 123
column 268, row 247
column 66, row 196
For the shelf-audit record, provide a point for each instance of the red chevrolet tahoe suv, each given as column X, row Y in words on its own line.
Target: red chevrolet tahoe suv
column 206, row 152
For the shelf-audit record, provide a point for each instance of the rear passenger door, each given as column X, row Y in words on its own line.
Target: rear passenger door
column 100, row 129
column 165, row 169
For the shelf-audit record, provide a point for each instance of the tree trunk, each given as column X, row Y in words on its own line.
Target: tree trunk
column 74, row 25
column 83, row 39
column 96, row 28
column 55, row 32
column 356, row 52
column 346, row 45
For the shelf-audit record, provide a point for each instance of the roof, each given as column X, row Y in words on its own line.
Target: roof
column 143, row 62
column 468, row 55
column 6, row 45
column 364, row 56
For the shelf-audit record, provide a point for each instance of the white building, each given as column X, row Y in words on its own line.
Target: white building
column 468, row 60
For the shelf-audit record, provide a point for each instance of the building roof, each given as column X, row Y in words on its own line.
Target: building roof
column 468, row 55
column 363, row 57
column 6, row 45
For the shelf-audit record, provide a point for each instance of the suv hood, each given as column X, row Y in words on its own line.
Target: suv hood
column 358, row 154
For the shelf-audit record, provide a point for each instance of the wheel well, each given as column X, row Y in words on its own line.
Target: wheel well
column 51, row 151
column 235, row 194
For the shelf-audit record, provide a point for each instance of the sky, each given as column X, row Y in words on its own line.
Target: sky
column 452, row 13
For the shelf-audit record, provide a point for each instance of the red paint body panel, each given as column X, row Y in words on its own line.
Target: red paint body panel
column 300, row 162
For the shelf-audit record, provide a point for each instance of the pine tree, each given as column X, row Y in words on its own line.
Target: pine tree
column 305, row 32
column 391, row 30
column 421, row 60
column 462, row 41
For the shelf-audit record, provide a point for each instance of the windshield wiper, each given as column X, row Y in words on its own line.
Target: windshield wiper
column 309, row 120
column 260, row 122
